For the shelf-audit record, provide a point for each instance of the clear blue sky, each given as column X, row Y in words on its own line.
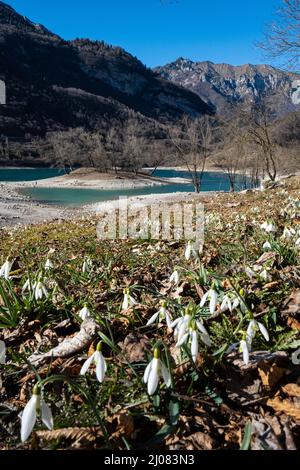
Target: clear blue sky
column 157, row 31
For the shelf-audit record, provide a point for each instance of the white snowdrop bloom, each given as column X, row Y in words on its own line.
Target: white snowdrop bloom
column 174, row 278
column 36, row 406
column 128, row 300
column 99, row 361
column 212, row 297
column 6, row 269
column 252, row 329
column 181, row 326
column 87, row 265
column 288, row 233
column 40, row 290
column 297, row 243
column 2, row 352
column 84, row 313
column 191, row 250
column 195, row 331
column 162, row 314
column 267, row 246
column 268, row 227
column 245, row 350
column 27, row 286
column 154, row 371
column 48, row 265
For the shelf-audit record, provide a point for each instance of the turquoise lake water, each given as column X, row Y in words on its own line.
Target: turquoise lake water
column 72, row 197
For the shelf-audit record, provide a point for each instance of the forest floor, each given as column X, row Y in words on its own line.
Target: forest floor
column 217, row 398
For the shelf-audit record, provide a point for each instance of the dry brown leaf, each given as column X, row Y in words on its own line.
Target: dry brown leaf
column 285, row 406
column 200, row 441
column 293, row 323
column 75, row 434
column 123, row 423
column 293, row 390
column 270, row 374
column 292, row 305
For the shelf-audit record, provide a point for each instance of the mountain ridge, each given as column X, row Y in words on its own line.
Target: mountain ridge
column 224, row 85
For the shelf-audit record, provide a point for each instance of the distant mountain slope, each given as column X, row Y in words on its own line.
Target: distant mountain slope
column 224, row 86
column 53, row 84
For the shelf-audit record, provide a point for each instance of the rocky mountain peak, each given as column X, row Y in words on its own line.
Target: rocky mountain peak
column 224, row 86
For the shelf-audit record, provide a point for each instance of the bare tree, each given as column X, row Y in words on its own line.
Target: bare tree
column 192, row 142
column 260, row 133
column 133, row 146
column 282, row 38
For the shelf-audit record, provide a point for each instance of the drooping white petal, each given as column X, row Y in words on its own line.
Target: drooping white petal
column 87, row 364
column 213, row 301
column 46, row 415
column 182, row 339
column 194, row 345
column 132, row 301
column 153, row 318
column 2, row 352
column 201, row 327
column 166, row 374
column 153, row 377
column 263, row 331
column 244, row 349
column 204, row 298
column 100, row 366
column 251, row 330
column 28, row 418
column 125, row 303
column 176, row 322
column 147, row 372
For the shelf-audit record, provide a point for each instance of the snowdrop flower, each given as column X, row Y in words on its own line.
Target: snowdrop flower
column 87, row 265
column 84, row 313
column 229, row 302
column 162, row 314
column 48, row 265
column 288, row 233
column 243, row 346
column 36, row 406
column 128, row 300
column 212, row 296
column 268, row 227
column 181, row 325
column 191, row 250
column 5, row 269
column 27, row 286
column 267, row 246
column 245, row 350
column 154, row 370
column 252, row 329
column 99, row 361
column 195, row 331
column 174, row 278
column 297, row 243
column 40, row 290
column 2, row 352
